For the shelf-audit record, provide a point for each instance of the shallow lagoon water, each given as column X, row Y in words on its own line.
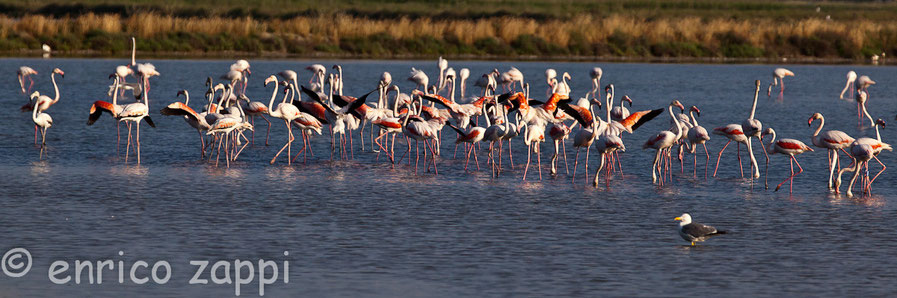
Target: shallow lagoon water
column 359, row 228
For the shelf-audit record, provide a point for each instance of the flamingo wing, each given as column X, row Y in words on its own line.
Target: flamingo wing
column 97, row 109
column 637, row 119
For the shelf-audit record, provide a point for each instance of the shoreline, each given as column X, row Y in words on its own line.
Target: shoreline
column 463, row 57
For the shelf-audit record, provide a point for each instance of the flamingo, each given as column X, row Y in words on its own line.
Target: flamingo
column 256, row 108
column 862, row 96
column 535, row 135
column 463, row 74
column 559, row 133
column 664, row 140
column 698, row 135
column 146, row 70
column 833, row 140
column 472, row 136
column 877, row 146
column 43, row 102
column 778, row 75
column 861, row 154
column 733, row 132
column 285, row 111
column 596, row 74
column 242, row 66
column 488, row 81
column 44, row 121
column 851, row 78
column 589, row 131
column 562, row 87
column 443, row 65
column 420, row 78
column 192, row 118
column 316, row 81
column 516, row 76
column 606, row 144
column 494, row 132
column 752, row 128
column 227, row 125
column 25, row 73
column 790, row 147
column 620, row 112
column 419, row 130
column 137, row 112
column 550, row 79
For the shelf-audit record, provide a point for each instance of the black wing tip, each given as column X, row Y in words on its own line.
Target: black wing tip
column 149, row 121
column 648, row 117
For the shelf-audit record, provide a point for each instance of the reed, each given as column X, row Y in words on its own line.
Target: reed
column 617, row 34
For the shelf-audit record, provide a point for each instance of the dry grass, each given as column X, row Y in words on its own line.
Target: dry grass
column 333, row 28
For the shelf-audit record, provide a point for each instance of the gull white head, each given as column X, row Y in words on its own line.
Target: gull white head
column 683, row 219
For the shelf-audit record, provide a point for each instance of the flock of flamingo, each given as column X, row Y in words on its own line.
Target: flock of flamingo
column 485, row 121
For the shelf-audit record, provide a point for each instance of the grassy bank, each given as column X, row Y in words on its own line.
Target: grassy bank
column 610, row 29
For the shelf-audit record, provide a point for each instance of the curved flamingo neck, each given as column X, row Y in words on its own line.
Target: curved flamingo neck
column 818, row 129
column 271, row 110
column 133, row 51
column 609, row 100
column 453, row 90
column 115, row 93
column 772, row 142
column 877, row 134
column 186, row 98
column 145, row 95
column 34, row 112
column 754, row 105
column 55, row 87
column 675, row 122
column 694, row 121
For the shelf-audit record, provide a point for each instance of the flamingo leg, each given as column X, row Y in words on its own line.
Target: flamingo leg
column 529, row 151
column 128, row 147
column 539, row 158
column 707, row 162
column 598, row 171
column 475, row 158
column 554, row 157
column 575, row 163
column 587, row 161
column 510, row 154
column 740, row 167
column 720, row 157
column 138, row 142
column 653, row 166
column 289, row 140
column 566, row 168
column 268, row 131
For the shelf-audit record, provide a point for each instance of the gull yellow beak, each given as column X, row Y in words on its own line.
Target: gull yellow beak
column 678, row 218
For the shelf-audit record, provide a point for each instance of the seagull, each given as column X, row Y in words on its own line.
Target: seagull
column 692, row 231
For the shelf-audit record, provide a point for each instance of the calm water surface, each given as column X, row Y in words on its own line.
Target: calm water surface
column 359, row 228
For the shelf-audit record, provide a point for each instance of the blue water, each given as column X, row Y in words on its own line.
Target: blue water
column 360, row 228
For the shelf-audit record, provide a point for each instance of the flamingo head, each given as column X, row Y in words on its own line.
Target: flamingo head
column 59, row 71
column 676, row 103
column 626, row 98
column 880, row 122
column 112, row 75
column 209, row 82
column 182, row 92
column 768, row 131
column 696, row 110
column 270, row 79
column 34, row 94
column 608, row 88
column 813, row 118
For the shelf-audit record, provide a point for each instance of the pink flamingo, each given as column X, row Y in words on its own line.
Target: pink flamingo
column 790, row 147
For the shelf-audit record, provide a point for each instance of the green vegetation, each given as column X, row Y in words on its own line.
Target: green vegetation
column 521, row 29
